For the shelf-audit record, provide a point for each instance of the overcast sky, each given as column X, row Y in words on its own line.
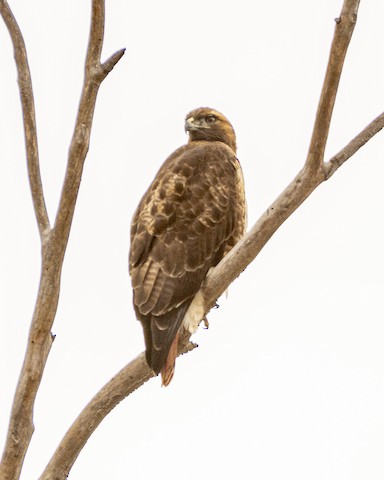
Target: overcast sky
column 288, row 382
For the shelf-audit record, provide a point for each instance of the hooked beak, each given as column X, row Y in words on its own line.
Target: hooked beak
column 189, row 124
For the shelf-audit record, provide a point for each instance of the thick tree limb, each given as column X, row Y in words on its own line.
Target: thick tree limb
column 129, row 379
column 314, row 172
column 54, row 242
column 29, row 118
column 136, row 373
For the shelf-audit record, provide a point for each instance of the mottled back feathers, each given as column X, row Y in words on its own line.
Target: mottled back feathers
column 189, row 218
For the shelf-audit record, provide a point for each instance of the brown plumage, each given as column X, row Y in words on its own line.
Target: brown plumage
column 192, row 214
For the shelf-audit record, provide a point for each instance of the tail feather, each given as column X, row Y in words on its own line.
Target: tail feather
column 161, row 339
column 168, row 369
column 163, row 331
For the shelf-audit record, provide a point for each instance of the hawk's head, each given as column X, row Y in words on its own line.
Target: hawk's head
column 210, row 125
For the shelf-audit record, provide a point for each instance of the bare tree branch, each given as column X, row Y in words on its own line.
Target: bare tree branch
column 361, row 139
column 345, row 25
column 110, row 63
column 29, row 118
column 136, row 373
column 314, row 172
column 54, row 242
column 129, row 379
column 95, row 73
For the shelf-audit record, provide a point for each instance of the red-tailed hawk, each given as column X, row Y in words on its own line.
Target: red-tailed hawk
column 192, row 214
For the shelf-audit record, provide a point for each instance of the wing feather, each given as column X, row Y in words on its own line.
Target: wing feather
column 191, row 213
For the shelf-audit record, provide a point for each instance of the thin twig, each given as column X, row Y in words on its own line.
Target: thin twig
column 29, row 118
column 54, row 245
column 361, row 139
column 345, row 25
column 95, row 73
column 110, row 63
column 96, row 36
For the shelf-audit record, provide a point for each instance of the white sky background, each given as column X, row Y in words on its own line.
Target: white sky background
column 288, row 382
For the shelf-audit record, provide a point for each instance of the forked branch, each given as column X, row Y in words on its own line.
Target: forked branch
column 54, row 241
column 345, row 25
column 95, row 73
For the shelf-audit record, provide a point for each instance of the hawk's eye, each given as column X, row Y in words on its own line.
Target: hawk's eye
column 210, row 119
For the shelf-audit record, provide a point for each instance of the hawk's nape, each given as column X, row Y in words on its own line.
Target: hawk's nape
column 192, row 214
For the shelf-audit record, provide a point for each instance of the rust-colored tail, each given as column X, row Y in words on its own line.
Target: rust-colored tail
column 169, row 367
